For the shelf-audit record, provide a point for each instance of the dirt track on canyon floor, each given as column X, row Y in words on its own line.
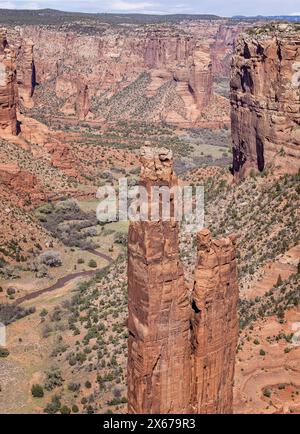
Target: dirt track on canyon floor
column 60, row 283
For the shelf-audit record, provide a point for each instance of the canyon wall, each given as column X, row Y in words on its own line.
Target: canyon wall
column 8, row 89
column 148, row 73
column 26, row 73
column 223, row 47
column 265, row 100
column 17, row 83
column 165, row 73
column 181, row 346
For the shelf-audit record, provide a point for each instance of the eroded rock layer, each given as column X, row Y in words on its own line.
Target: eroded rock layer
column 20, row 185
column 265, row 99
column 159, row 347
column 181, row 354
column 26, row 73
column 148, row 73
column 215, row 324
column 8, row 118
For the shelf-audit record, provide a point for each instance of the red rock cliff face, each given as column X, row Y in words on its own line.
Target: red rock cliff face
column 223, row 47
column 21, row 185
column 159, row 350
column 181, row 355
column 26, row 73
column 215, row 324
column 8, row 118
column 265, row 100
column 143, row 73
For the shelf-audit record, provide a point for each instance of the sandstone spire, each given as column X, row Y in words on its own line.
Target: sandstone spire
column 215, row 324
column 8, row 118
column 159, row 349
column 181, row 353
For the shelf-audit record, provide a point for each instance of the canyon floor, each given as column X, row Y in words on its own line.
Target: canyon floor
column 72, row 339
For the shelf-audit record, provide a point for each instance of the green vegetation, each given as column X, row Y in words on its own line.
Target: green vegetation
column 10, row 313
column 92, row 263
column 37, row 391
column 275, row 302
column 4, row 352
column 96, row 313
column 85, row 22
column 267, row 393
column 67, row 222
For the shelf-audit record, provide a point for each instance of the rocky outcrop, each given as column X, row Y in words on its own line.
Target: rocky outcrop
column 26, row 73
column 21, row 185
column 159, row 349
column 181, row 354
column 265, row 100
column 63, row 158
column 8, row 117
column 215, row 324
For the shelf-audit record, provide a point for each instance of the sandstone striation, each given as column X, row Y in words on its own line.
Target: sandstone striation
column 8, row 117
column 265, row 100
column 159, row 350
column 144, row 73
column 223, row 47
column 215, row 324
column 181, row 354
column 26, row 73
column 20, row 185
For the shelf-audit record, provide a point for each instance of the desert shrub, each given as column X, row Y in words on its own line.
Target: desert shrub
column 267, row 393
column 65, row 409
column 2, row 262
column 43, row 313
column 37, row 391
column 120, row 238
column 11, row 312
column 56, row 314
column 51, row 258
column 74, row 387
column 117, row 392
column 10, row 291
column 92, row 263
column 75, row 408
column 47, row 330
column 4, row 352
column 53, row 379
column 54, row 406
column 59, row 349
column 90, row 232
column 66, row 222
column 116, row 401
column 89, row 409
